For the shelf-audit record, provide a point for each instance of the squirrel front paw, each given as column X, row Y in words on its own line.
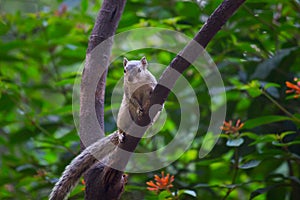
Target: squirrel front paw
column 121, row 137
column 118, row 137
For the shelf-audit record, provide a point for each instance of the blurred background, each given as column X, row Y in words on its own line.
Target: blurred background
column 43, row 44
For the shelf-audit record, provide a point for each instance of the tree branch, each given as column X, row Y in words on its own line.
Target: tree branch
column 106, row 179
column 92, row 99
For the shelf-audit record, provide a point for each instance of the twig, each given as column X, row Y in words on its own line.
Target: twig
column 280, row 106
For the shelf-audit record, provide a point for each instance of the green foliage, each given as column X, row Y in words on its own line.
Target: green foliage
column 256, row 52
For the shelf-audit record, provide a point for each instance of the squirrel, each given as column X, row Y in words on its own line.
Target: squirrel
column 138, row 86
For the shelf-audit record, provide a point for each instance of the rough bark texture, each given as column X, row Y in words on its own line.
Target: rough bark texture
column 93, row 102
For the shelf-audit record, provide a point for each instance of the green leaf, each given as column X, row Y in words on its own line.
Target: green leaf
column 280, row 144
column 250, row 164
column 26, row 169
column 254, row 92
column 297, row 115
column 268, row 85
column 271, row 88
column 260, row 191
column 189, row 155
column 250, row 135
column 282, row 135
column 188, row 192
column 253, row 88
column 265, row 139
column 265, row 68
column 252, row 123
column 235, row 142
column 163, row 195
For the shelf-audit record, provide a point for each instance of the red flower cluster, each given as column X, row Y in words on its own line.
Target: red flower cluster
column 162, row 183
column 293, row 88
column 232, row 129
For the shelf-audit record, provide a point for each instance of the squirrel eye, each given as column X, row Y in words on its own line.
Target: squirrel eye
column 139, row 70
column 124, row 71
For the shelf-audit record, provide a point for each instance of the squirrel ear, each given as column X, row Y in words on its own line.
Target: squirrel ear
column 144, row 62
column 125, row 61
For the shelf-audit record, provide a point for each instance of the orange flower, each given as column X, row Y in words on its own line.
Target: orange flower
column 230, row 129
column 83, row 183
column 293, row 88
column 162, row 183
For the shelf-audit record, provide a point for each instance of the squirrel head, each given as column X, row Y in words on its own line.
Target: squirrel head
column 135, row 70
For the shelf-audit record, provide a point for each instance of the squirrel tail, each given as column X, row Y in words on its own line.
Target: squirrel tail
column 80, row 164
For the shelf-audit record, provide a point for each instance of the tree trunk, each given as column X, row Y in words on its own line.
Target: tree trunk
column 92, row 99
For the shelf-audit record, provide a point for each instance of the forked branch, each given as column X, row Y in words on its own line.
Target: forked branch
column 108, row 19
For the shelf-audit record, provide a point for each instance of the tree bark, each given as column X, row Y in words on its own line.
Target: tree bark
column 92, row 100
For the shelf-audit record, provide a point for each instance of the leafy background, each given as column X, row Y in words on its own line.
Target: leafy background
column 43, row 44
